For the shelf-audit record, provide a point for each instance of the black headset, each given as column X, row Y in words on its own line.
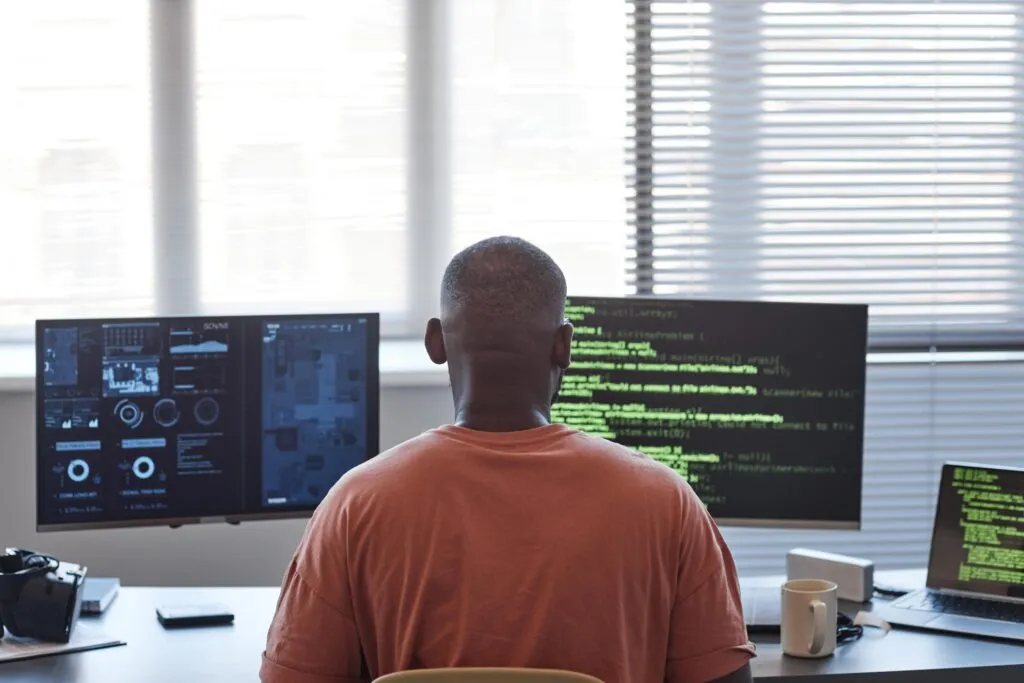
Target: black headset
column 17, row 567
column 24, row 563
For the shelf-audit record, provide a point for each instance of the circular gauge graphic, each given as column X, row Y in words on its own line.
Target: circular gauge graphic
column 206, row 411
column 143, row 467
column 78, row 471
column 165, row 412
column 129, row 413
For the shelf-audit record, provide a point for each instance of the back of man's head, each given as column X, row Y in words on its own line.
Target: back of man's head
column 500, row 286
column 502, row 332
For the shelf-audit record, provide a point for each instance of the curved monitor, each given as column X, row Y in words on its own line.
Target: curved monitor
column 759, row 405
column 170, row 421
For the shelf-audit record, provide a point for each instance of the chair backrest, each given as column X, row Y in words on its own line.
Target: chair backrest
column 486, row 675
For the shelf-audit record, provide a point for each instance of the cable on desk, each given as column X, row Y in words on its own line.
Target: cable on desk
column 847, row 630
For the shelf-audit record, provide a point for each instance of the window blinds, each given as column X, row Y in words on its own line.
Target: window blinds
column 847, row 151
column 75, row 212
column 844, row 151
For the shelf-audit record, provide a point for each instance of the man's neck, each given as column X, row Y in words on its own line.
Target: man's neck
column 499, row 397
column 509, row 411
column 491, row 420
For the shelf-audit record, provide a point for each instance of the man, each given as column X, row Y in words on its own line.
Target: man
column 502, row 539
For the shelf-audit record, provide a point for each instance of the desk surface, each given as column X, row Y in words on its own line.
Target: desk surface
column 232, row 653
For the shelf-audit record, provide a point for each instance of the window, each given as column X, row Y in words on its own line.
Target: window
column 837, row 151
column 906, row 123
column 301, row 120
column 308, row 168
column 848, row 151
column 74, row 162
column 537, row 131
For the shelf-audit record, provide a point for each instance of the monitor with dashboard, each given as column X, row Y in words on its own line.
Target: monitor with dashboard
column 168, row 421
column 760, row 405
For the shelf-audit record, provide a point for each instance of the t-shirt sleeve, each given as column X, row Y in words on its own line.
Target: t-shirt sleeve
column 313, row 637
column 708, row 636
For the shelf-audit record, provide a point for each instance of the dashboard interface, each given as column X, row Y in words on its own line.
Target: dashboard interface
column 173, row 420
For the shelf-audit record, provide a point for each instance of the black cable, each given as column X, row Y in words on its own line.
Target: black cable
column 847, row 630
column 890, row 591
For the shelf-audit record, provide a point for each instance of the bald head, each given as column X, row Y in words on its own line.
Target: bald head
column 503, row 283
column 503, row 334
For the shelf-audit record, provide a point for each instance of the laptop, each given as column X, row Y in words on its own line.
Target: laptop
column 975, row 583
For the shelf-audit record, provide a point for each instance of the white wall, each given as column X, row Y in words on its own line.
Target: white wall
column 215, row 554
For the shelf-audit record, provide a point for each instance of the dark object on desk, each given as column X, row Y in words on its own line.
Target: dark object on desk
column 846, row 629
column 98, row 593
column 40, row 596
column 890, row 591
column 193, row 616
column 965, row 593
column 762, row 608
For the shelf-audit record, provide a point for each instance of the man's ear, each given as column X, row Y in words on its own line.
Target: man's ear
column 433, row 340
column 561, row 354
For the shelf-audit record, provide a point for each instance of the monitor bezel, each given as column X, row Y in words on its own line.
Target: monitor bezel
column 372, row 400
column 783, row 524
column 789, row 524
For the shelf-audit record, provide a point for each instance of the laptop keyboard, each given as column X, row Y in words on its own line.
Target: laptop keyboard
column 966, row 607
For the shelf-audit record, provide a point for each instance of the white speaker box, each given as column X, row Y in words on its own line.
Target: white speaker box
column 854, row 576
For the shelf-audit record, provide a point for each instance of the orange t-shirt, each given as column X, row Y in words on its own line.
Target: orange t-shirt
column 543, row 548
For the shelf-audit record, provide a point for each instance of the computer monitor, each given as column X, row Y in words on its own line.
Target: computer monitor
column 978, row 538
column 759, row 405
column 170, row 421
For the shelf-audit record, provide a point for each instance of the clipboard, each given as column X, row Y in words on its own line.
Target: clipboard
column 86, row 636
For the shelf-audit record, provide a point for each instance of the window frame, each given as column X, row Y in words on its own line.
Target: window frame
column 176, row 223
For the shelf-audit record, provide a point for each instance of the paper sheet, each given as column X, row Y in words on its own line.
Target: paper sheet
column 86, row 636
column 868, row 619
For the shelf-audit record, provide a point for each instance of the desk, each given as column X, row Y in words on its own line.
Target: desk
column 902, row 656
column 232, row 654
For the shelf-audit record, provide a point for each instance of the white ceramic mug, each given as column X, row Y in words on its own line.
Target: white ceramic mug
column 810, row 609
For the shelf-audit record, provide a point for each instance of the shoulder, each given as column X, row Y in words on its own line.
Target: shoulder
column 377, row 474
column 414, row 464
column 644, row 482
column 633, row 464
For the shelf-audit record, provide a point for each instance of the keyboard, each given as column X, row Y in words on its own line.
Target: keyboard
column 962, row 606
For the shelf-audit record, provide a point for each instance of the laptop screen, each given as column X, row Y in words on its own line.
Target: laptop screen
column 978, row 542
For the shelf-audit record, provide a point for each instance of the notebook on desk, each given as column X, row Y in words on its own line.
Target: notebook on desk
column 762, row 608
column 98, row 593
column 975, row 582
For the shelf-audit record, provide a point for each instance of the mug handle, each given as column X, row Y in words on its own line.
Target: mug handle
column 820, row 611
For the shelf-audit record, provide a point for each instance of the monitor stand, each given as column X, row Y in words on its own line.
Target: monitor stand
column 232, row 522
